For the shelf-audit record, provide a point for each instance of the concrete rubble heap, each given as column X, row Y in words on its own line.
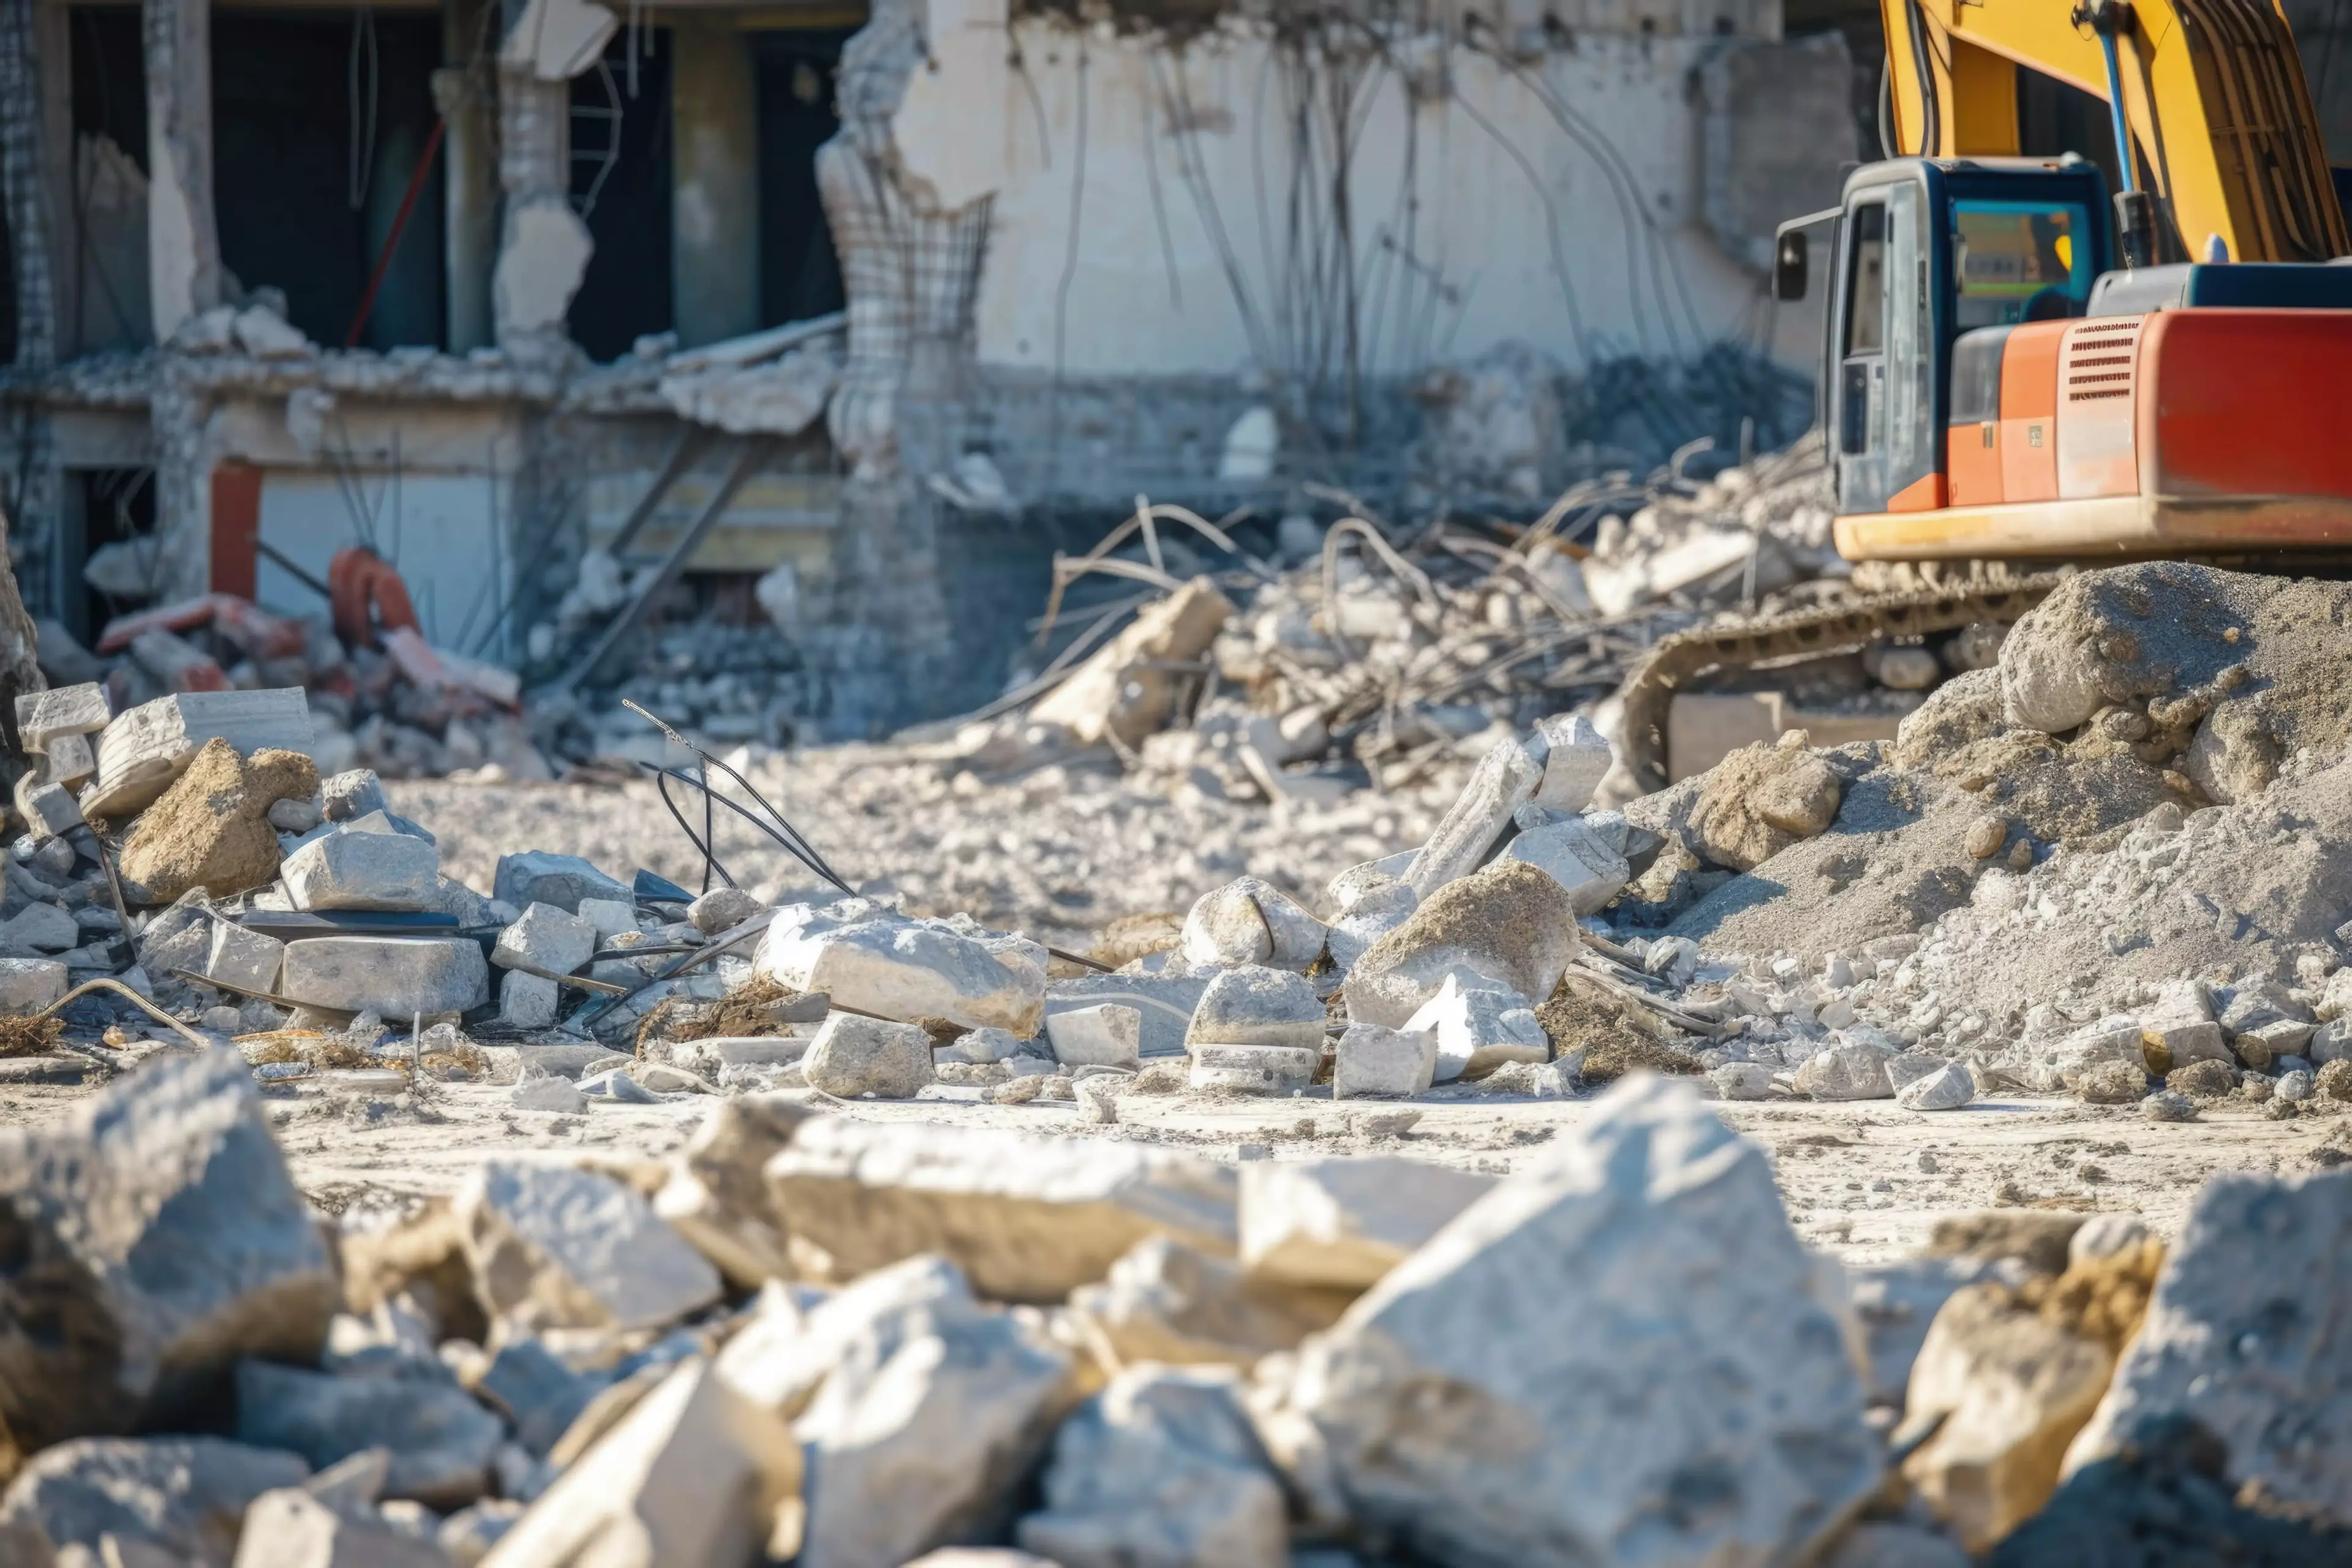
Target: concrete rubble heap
column 1101, row 1355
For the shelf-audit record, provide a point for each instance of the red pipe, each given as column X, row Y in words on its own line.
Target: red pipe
column 399, row 226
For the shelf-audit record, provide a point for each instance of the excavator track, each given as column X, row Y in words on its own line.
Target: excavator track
column 1675, row 661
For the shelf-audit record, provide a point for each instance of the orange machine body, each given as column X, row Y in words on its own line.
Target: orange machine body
column 2200, row 429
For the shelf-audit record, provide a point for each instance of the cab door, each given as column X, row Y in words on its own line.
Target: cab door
column 1889, row 448
column 1858, row 379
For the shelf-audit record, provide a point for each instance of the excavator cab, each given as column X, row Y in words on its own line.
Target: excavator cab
column 1925, row 251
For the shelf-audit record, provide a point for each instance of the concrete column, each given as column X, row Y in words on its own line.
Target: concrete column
column 23, row 183
column 714, row 182
column 183, row 272
column 467, row 98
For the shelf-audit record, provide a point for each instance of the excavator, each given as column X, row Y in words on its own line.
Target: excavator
column 2023, row 371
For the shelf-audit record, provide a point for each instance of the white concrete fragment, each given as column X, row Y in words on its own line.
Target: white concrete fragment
column 1106, row 1035
column 1742, row 1080
column 350, row 869
column 346, row 796
column 247, row 958
column 1478, row 1030
column 1575, row 857
column 1505, row 779
column 29, row 984
column 851, row 1056
column 145, row 749
column 1249, row 921
column 1252, row 1069
column 1372, row 1061
column 1345, row 1222
column 551, row 1247
column 48, row 809
column 907, row 968
column 2181, row 1024
column 544, row 1091
column 44, row 716
column 397, row 977
column 1253, row 1005
column 1949, row 1087
column 1845, row 1072
column 542, row 256
column 610, row 916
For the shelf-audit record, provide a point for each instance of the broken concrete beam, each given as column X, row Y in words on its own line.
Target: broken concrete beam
column 177, row 1162
column 394, row 976
column 695, row 1473
column 1478, row 1030
column 156, row 1501
column 1028, row 1219
column 552, row 1247
column 439, row 1441
column 546, row 938
column 143, row 750
column 1105, row 1035
column 1273, row 1070
column 1372, row 1061
column 239, row 957
column 1342, row 1223
column 210, row 829
column 853, row 1056
column 1253, row 1005
column 1250, row 921
column 906, row 969
column 44, row 716
column 539, row 878
column 1124, row 689
column 1505, row 779
column 351, row 870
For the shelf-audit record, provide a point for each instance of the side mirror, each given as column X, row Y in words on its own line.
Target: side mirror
column 1789, row 266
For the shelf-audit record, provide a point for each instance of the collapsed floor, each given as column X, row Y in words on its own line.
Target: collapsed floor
column 2068, row 947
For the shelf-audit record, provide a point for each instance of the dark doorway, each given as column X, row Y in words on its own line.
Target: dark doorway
column 116, row 504
column 318, row 122
column 621, row 185
column 799, row 275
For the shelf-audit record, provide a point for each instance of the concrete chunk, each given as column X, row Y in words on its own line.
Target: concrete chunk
column 853, row 1056
column 29, row 984
column 1251, row 921
column 1508, row 926
column 351, row 870
column 175, row 1500
column 610, row 916
column 143, row 750
column 539, row 878
column 1575, row 760
column 48, row 809
column 1577, row 859
column 1376, row 1061
column 39, row 928
column 1105, row 1035
column 1845, row 1072
column 352, row 794
column 1252, row 1069
column 290, row 1528
column 716, row 1195
column 1343, row 1223
column 528, row 1001
column 1258, row 1007
column 394, row 976
column 546, row 938
column 249, row 958
column 1715, row 1359
column 177, row 1163
column 722, row 908
column 70, row 760
column 560, row 1249
column 1164, row 1003
column 1168, row 1302
column 906, row 969
column 1028, row 1219
column 1505, row 779
column 43, row 716
column 1478, row 1030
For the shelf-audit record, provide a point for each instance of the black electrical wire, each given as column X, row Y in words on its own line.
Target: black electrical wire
column 705, row 845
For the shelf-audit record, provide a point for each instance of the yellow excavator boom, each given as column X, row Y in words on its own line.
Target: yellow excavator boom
column 2213, row 92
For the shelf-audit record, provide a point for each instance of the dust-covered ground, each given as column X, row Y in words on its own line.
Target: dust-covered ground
column 1060, row 854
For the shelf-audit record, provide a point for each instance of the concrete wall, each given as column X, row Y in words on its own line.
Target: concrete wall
column 1476, row 215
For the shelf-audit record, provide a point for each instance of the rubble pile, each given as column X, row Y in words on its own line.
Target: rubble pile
column 1395, row 657
column 812, row 1339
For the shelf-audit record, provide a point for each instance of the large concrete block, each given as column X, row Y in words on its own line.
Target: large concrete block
column 353, row 870
column 1105, row 1035
column 716, row 1195
column 1372, row 1061
column 867, row 958
column 175, row 1162
column 1707, row 1355
column 1509, row 925
column 394, row 975
column 1269, row 1070
column 552, row 1247
column 853, row 1056
column 1576, row 857
column 1165, row 1003
column 1505, row 779
column 145, row 749
column 42, row 716
column 440, row 1440
column 1253, row 1005
column 528, row 1001
column 539, row 878
column 1028, row 1219
column 1168, row 1302
column 1251, row 921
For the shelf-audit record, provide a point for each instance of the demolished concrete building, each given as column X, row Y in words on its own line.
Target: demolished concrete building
column 852, row 304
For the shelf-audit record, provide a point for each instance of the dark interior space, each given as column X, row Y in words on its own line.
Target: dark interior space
column 621, row 183
column 799, row 275
column 106, row 65
column 2053, row 117
column 318, row 121
column 7, row 293
column 116, row 504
